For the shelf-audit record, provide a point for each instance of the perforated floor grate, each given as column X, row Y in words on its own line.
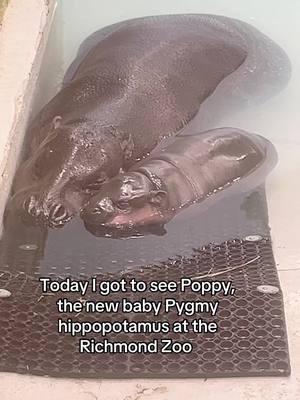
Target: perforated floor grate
column 251, row 339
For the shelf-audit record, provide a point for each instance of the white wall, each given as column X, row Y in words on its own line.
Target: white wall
column 22, row 38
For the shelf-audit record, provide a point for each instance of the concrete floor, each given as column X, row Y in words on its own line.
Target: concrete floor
column 283, row 207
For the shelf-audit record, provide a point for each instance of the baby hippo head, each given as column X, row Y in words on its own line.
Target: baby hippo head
column 63, row 172
column 126, row 202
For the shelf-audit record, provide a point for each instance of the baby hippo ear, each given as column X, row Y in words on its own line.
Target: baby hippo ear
column 157, row 197
column 56, row 122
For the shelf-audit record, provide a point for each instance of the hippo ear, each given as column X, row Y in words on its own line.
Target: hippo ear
column 157, row 197
column 56, row 122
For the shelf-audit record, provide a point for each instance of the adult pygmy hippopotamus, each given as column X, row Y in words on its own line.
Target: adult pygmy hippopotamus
column 187, row 171
column 138, row 82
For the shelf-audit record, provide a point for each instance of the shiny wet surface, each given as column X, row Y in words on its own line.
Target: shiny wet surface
column 72, row 250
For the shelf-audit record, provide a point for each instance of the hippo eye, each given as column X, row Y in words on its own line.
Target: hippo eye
column 96, row 185
column 126, row 190
column 93, row 186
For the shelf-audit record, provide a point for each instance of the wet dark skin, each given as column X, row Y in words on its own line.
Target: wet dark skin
column 74, row 183
column 190, row 170
column 136, row 83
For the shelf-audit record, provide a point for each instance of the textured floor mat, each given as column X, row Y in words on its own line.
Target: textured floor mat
column 251, row 337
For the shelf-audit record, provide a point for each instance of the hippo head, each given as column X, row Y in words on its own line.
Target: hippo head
column 63, row 172
column 128, row 202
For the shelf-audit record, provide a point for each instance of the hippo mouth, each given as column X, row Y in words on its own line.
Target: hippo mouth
column 106, row 213
column 124, row 231
column 33, row 211
column 49, row 212
column 58, row 217
column 113, row 221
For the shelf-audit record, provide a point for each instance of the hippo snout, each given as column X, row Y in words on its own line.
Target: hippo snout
column 34, row 210
column 100, row 211
column 30, row 207
column 53, row 214
column 58, row 215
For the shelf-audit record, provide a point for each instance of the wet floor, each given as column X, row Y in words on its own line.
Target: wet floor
column 72, row 250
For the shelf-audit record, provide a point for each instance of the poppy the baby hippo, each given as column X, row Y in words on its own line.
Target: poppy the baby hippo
column 132, row 85
column 190, row 170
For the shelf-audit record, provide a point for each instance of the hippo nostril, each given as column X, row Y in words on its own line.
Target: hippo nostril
column 99, row 212
column 58, row 213
column 29, row 205
column 105, row 206
column 103, row 210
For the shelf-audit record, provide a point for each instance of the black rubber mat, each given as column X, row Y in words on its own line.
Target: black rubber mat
column 234, row 245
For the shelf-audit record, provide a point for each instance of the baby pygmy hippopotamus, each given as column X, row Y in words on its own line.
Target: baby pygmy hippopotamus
column 190, row 170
